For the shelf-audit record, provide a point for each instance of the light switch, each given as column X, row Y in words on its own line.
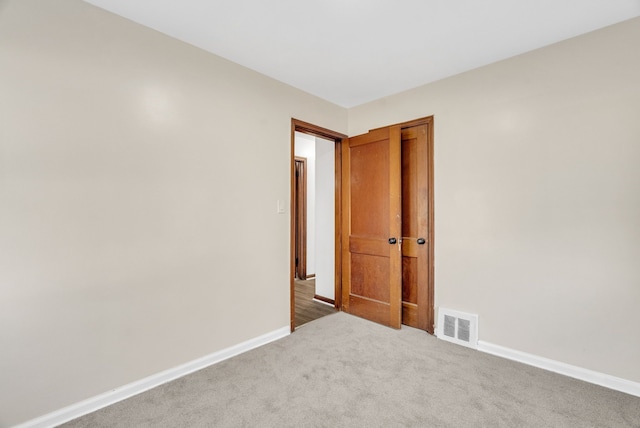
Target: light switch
column 280, row 207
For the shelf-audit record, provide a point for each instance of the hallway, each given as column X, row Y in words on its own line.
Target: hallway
column 308, row 309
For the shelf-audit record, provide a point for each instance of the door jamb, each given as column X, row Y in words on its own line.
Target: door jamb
column 308, row 128
column 299, row 209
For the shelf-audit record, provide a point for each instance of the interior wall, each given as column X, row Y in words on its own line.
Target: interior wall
column 325, row 217
column 537, row 196
column 134, row 212
column 305, row 146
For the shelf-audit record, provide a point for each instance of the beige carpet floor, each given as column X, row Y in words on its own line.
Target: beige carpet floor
column 342, row 371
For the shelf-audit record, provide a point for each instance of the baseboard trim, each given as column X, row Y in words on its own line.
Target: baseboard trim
column 121, row 393
column 602, row 379
column 324, row 300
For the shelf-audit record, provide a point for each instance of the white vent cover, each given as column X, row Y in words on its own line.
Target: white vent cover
column 458, row 327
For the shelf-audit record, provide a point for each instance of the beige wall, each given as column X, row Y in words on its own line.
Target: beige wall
column 138, row 224
column 537, row 183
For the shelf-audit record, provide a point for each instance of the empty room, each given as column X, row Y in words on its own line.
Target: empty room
column 481, row 227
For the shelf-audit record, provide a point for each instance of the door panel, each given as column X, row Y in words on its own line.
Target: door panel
column 366, row 274
column 415, row 225
column 371, row 200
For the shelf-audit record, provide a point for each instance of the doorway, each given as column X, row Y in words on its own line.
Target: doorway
column 396, row 202
column 315, row 281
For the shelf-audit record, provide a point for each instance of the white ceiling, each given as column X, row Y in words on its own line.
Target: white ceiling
column 353, row 51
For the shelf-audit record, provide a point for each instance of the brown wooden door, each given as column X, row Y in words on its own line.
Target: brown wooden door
column 371, row 201
column 300, row 217
column 417, row 306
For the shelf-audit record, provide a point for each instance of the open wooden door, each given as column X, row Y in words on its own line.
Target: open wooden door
column 387, row 196
column 371, row 226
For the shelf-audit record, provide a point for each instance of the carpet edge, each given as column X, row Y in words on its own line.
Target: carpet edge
column 591, row 376
column 100, row 401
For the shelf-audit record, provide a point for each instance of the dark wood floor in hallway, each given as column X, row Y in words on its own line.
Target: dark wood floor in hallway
column 308, row 309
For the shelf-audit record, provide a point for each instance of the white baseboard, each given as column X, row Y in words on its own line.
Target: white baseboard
column 586, row 375
column 323, row 302
column 118, row 394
